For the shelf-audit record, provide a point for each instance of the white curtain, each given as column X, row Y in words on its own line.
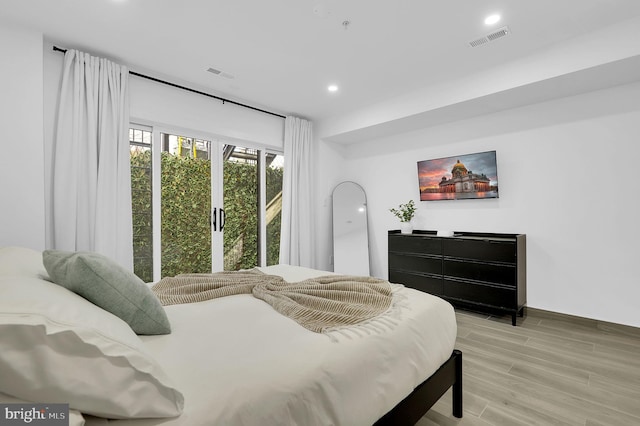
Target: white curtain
column 296, row 242
column 90, row 182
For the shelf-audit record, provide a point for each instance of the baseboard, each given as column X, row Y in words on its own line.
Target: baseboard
column 587, row 322
column 604, row 326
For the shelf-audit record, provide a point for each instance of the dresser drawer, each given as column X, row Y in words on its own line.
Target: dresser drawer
column 486, row 250
column 414, row 263
column 423, row 282
column 478, row 293
column 415, row 244
column 487, row 272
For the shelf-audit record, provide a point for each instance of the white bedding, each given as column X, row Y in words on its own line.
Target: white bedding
column 239, row 362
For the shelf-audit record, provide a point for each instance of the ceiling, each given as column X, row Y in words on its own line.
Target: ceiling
column 283, row 54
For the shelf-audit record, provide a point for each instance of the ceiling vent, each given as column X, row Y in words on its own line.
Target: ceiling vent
column 490, row 37
column 221, row 73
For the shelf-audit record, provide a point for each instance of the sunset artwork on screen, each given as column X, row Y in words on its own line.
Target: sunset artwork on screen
column 458, row 178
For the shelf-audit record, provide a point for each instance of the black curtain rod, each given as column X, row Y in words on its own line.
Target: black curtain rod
column 188, row 89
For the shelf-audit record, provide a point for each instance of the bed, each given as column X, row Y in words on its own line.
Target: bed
column 228, row 361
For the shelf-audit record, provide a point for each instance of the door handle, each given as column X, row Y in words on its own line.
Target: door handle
column 215, row 222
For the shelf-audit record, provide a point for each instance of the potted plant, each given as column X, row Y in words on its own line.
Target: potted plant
column 405, row 213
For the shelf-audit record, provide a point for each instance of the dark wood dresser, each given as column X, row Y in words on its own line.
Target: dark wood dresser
column 478, row 271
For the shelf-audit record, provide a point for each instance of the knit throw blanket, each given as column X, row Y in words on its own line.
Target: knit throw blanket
column 320, row 304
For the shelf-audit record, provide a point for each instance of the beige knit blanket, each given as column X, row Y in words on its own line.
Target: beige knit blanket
column 318, row 304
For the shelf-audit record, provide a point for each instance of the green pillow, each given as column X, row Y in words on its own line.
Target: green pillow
column 106, row 284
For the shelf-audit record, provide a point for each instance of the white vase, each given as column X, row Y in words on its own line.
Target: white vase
column 406, row 228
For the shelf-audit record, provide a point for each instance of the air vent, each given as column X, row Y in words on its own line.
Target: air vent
column 479, row 42
column 221, row 73
column 490, row 37
column 500, row 33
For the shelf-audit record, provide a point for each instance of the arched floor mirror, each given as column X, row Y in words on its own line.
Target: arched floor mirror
column 350, row 232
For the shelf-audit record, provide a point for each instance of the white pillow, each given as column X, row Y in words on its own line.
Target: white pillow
column 293, row 274
column 60, row 348
column 20, row 261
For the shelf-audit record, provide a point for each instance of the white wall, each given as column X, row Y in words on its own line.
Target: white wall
column 568, row 176
column 329, row 171
column 21, row 156
column 155, row 102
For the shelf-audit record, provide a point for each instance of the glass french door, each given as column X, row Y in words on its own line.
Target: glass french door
column 274, row 168
column 252, row 205
column 185, row 205
column 241, row 206
column 252, row 200
column 214, row 205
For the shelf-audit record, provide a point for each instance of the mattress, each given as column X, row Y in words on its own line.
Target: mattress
column 239, row 362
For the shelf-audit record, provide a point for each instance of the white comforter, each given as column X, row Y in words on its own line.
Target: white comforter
column 239, row 362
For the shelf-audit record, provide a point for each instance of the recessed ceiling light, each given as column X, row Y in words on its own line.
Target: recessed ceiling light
column 492, row 19
column 332, row 88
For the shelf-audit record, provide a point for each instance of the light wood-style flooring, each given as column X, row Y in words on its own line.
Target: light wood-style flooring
column 551, row 369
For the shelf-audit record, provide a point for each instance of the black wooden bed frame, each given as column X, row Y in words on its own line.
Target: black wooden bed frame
column 413, row 407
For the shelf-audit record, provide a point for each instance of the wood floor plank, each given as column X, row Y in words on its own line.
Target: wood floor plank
column 588, row 361
column 500, row 363
column 434, row 418
column 628, row 355
column 473, row 403
column 560, row 342
column 600, row 399
column 606, row 337
column 549, row 370
column 603, row 382
column 512, row 391
column 552, row 365
column 509, row 415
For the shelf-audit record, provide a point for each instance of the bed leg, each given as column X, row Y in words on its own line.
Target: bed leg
column 457, row 386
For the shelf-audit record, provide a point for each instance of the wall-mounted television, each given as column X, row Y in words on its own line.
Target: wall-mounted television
column 459, row 178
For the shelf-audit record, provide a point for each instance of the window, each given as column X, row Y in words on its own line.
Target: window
column 185, row 201
column 218, row 205
column 241, row 204
column 141, row 202
column 274, row 171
